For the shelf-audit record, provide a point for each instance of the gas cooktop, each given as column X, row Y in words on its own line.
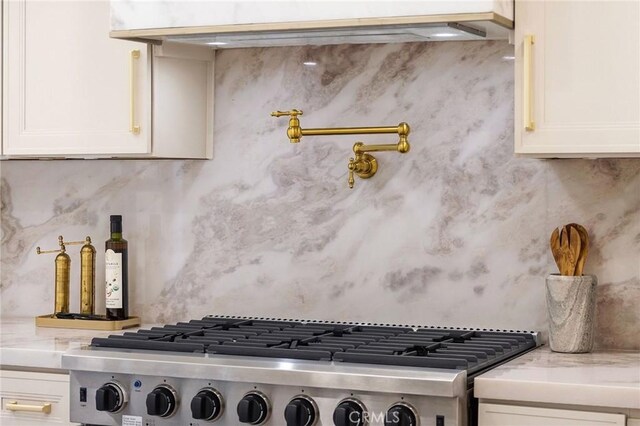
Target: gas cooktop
column 293, row 372
column 471, row 350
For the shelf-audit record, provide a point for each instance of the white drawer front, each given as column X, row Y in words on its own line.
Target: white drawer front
column 22, row 394
column 513, row 415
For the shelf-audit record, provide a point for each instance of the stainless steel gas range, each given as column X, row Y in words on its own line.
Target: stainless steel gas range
column 236, row 370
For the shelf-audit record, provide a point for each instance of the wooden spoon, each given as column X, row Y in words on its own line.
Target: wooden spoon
column 554, row 243
column 569, row 249
column 584, row 247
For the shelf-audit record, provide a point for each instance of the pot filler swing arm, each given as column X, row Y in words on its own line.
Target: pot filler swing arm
column 362, row 164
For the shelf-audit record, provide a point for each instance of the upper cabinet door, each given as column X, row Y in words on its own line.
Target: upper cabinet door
column 1, row 82
column 68, row 88
column 145, row 14
column 577, row 78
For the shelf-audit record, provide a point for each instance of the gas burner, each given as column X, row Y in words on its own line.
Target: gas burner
column 469, row 350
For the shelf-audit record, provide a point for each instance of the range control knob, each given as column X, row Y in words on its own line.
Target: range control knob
column 110, row 397
column 162, row 401
column 253, row 408
column 349, row 413
column 206, row 405
column 301, row 411
column 401, row 415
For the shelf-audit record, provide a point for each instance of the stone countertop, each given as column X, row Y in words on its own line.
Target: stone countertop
column 601, row 378
column 25, row 346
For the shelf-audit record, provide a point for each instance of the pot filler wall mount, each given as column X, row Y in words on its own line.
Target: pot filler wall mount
column 362, row 164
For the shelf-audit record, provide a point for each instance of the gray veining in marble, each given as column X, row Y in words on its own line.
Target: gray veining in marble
column 453, row 233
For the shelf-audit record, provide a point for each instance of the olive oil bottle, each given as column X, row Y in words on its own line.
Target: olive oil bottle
column 116, row 272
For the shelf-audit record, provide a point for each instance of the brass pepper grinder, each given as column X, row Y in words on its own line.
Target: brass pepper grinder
column 63, row 267
column 87, row 275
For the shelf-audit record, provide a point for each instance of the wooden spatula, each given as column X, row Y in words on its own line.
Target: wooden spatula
column 584, row 247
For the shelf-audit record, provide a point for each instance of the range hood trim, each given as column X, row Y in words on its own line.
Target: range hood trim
column 155, row 35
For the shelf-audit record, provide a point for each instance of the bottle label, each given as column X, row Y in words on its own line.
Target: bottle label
column 113, row 277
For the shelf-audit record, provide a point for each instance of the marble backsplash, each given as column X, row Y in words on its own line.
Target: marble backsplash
column 453, row 233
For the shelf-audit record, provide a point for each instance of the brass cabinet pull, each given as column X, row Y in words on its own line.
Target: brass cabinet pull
column 14, row 406
column 133, row 127
column 527, row 79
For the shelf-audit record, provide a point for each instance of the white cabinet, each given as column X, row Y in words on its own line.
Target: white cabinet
column 71, row 91
column 514, row 415
column 28, row 399
column 577, row 78
column 131, row 15
column 1, row 68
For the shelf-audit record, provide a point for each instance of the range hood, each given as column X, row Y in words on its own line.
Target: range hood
column 254, row 23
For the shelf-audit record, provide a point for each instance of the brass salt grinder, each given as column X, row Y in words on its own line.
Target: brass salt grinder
column 87, row 275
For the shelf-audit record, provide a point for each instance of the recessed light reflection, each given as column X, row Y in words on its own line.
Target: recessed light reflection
column 310, row 63
column 217, row 43
column 444, row 35
column 508, row 58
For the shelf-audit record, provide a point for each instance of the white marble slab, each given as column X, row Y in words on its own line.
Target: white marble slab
column 598, row 379
column 25, row 346
column 453, row 233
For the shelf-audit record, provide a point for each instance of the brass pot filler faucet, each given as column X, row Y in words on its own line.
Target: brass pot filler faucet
column 364, row 165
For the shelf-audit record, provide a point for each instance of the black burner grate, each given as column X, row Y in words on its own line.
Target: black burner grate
column 469, row 350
